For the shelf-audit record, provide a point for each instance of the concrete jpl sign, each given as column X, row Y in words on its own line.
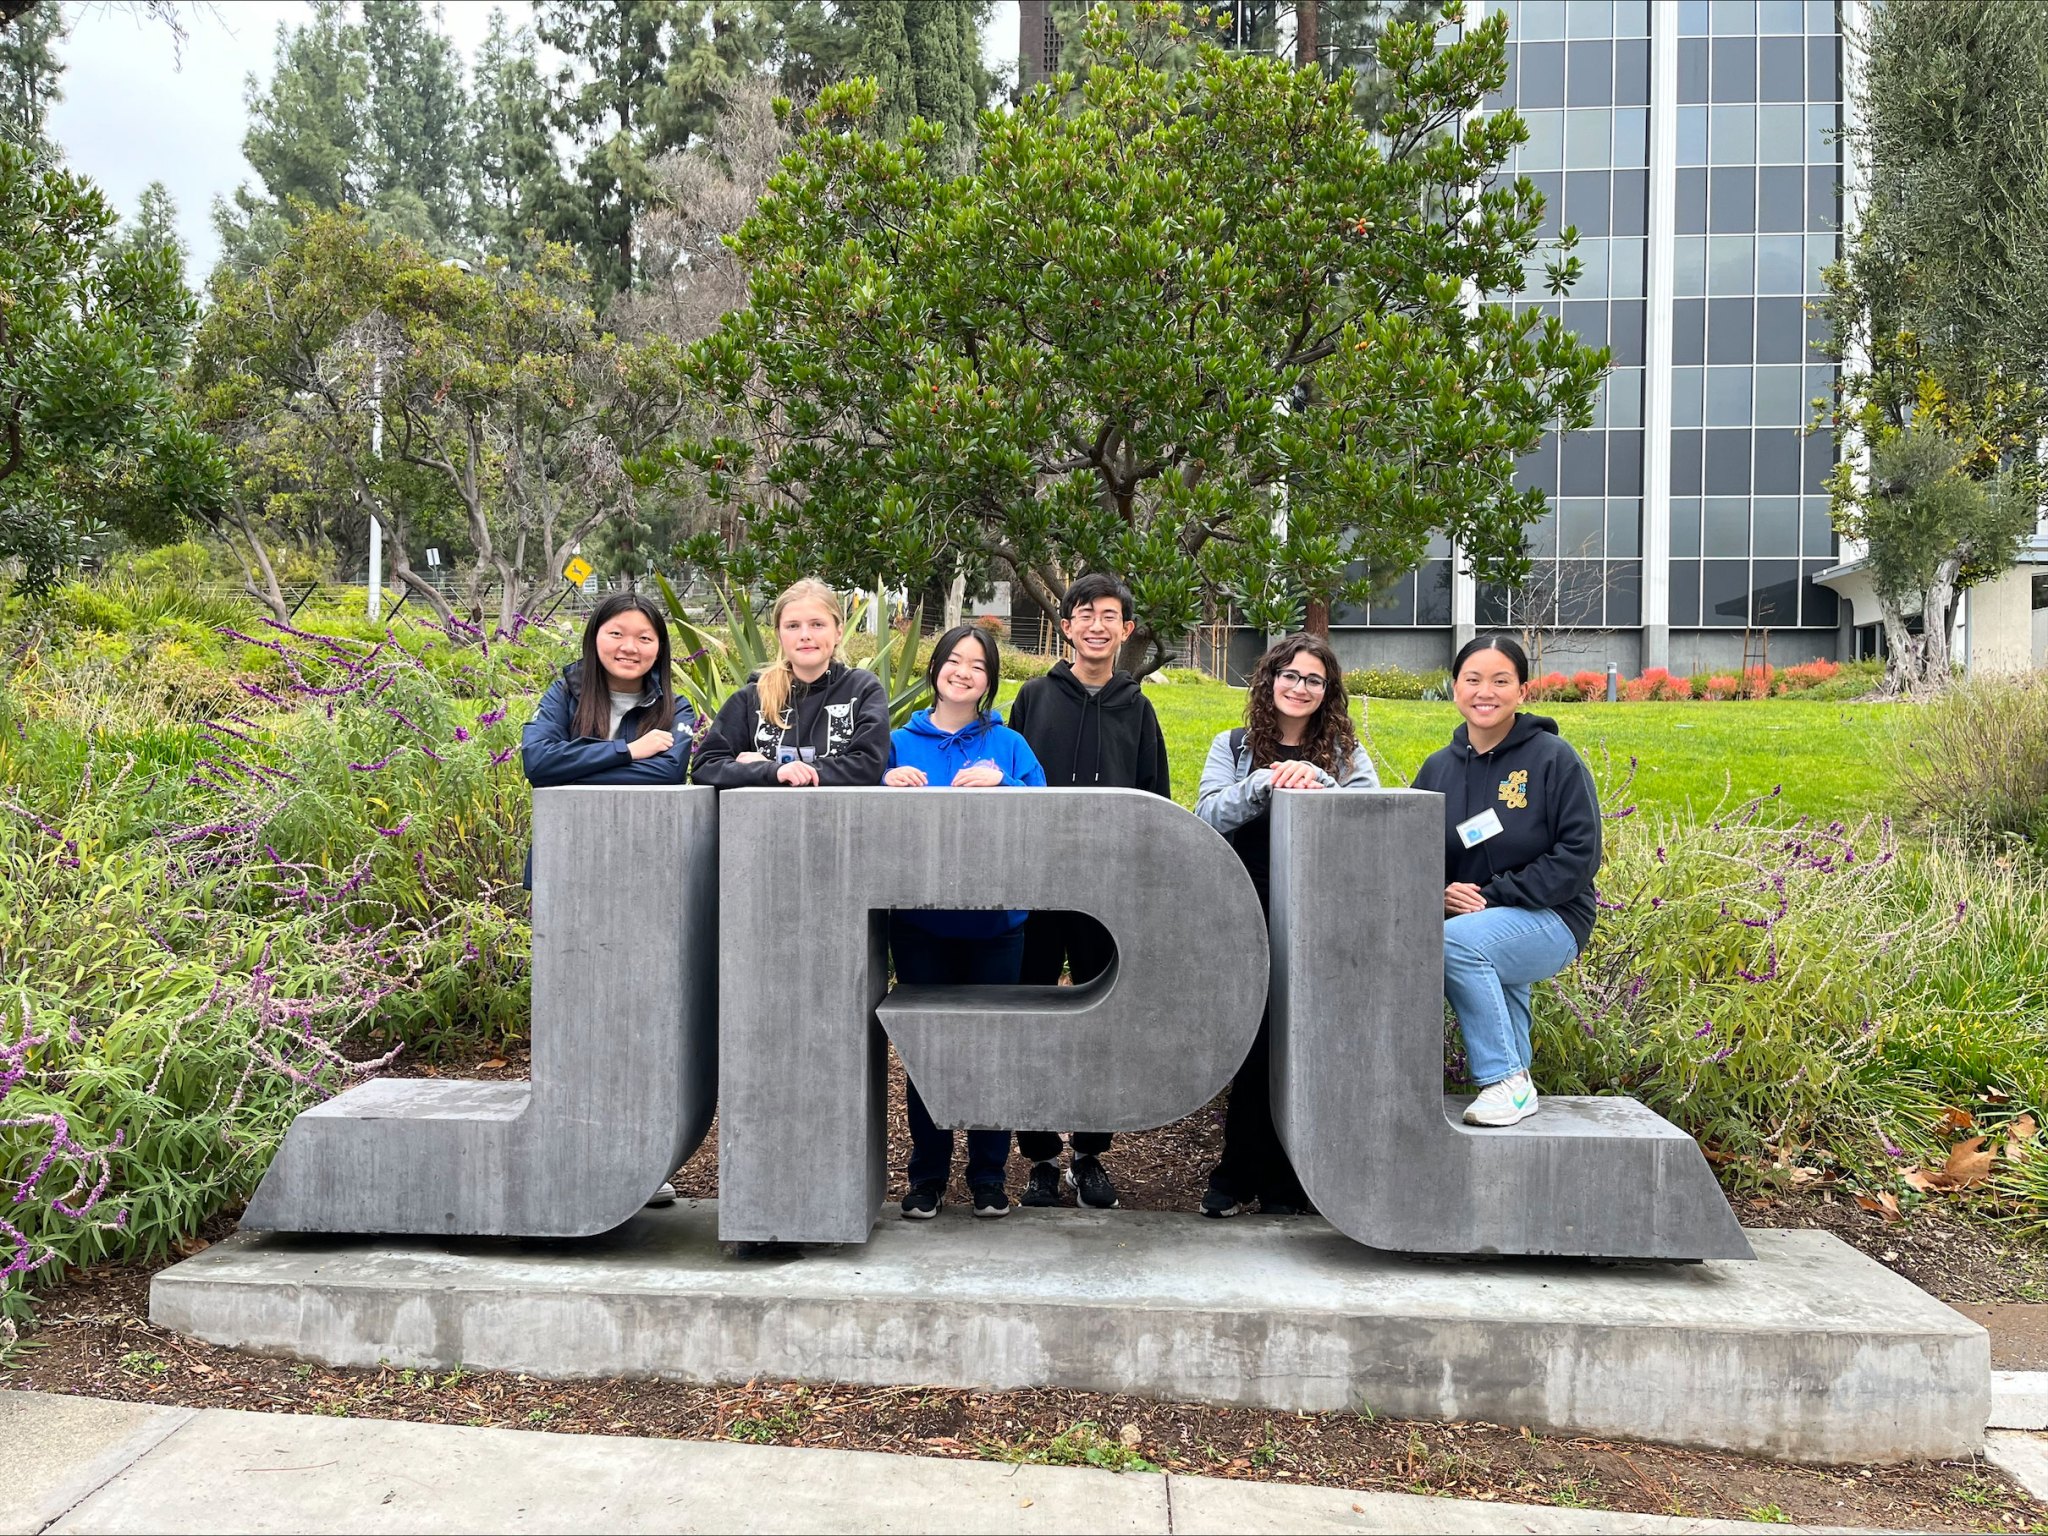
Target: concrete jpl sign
column 692, row 950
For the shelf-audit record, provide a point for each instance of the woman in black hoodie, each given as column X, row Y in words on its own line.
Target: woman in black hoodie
column 806, row 719
column 1521, row 848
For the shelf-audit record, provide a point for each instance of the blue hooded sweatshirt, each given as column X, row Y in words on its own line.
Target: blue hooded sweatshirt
column 942, row 754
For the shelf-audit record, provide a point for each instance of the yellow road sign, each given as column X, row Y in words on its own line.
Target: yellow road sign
column 577, row 571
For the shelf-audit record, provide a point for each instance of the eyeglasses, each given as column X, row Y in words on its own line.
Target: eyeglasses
column 1313, row 682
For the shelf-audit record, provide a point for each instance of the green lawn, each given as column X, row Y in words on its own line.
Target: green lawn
column 1828, row 756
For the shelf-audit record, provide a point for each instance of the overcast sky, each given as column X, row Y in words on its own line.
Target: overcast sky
column 133, row 113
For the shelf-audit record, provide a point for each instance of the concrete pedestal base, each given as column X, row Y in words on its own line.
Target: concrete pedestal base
column 1811, row 1352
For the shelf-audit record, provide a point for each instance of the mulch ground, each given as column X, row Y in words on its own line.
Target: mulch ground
column 94, row 1338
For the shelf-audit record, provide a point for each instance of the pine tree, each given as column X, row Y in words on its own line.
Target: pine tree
column 417, row 117
column 520, row 188
column 30, row 76
column 884, row 57
column 945, row 56
column 643, row 77
column 369, row 115
column 307, row 139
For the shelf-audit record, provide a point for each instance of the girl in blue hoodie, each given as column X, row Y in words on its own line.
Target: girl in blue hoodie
column 959, row 743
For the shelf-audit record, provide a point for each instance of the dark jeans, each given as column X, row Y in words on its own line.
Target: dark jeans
column 926, row 959
column 1053, row 942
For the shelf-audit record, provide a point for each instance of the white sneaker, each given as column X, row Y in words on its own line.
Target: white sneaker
column 1508, row 1102
column 664, row 1194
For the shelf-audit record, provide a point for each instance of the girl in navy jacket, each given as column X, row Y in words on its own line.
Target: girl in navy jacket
column 612, row 718
column 959, row 743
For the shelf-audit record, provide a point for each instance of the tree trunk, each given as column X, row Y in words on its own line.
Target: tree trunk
column 269, row 594
column 956, row 601
column 1920, row 664
column 1317, row 620
column 1306, row 19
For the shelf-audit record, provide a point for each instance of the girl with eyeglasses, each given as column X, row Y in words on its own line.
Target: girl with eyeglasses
column 1297, row 735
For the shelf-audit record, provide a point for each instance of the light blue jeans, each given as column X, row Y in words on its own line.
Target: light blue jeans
column 1492, row 958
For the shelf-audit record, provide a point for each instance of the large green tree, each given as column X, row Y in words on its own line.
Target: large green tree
column 639, row 78
column 1082, row 354
column 31, row 75
column 498, row 396
column 1939, row 311
column 363, row 113
column 520, row 188
column 417, row 117
column 91, row 330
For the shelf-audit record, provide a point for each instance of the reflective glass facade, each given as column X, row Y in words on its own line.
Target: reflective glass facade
column 1743, row 186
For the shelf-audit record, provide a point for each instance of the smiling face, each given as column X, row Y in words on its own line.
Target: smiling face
column 964, row 677
column 808, row 634
column 1299, row 686
column 1098, row 630
column 1488, row 691
column 627, row 647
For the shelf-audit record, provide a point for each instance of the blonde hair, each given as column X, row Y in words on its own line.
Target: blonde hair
column 775, row 683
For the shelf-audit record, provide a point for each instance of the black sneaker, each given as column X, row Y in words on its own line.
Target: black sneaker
column 922, row 1203
column 1044, row 1188
column 1218, row 1201
column 1091, row 1184
column 990, row 1200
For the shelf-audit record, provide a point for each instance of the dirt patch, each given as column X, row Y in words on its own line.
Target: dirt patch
column 2019, row 1332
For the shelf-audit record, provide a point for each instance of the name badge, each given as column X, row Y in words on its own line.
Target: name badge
column 1479, row 828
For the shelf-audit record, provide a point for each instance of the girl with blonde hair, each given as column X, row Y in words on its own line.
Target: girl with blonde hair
column 807, row 718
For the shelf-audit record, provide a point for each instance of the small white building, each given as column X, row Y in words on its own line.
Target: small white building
column 2001, row 624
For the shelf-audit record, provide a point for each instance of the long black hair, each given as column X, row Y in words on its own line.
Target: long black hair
column 593, row 701
column 991, row 656
column 1505, row 644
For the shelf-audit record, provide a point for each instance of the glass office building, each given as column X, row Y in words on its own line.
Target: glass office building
column 1694, row 146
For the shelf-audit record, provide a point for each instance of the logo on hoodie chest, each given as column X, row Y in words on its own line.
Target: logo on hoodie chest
column 1514, row 790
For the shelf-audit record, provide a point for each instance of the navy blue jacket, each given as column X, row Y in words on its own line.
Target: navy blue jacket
column 553, row 755
column 1548, row 849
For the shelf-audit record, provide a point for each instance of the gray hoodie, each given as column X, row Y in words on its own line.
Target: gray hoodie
column 1232, row 795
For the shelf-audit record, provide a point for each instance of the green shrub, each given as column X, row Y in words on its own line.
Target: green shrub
column 1975, row 760
column 187, row 565
column 1799, row 994
column 210, row 926
column 1393, row 683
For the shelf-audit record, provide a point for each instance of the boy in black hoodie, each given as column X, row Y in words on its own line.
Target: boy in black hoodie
column 1088, row 724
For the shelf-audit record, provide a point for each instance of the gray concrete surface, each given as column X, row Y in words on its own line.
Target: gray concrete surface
column 625, row 1050
column 808, row 880
column 224, row 1470
column 2019, row 1399
column 1812, row 1353
column 1214, row 1506
column 56, row 1451
column 2022, row 1457
column 1357, row 1010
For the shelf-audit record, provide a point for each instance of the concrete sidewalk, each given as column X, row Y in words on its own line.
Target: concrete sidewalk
column 77, row 1464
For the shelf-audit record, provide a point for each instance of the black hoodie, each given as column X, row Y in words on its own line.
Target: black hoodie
column 1548, row 849
column 843, row 717
column 1109, row 738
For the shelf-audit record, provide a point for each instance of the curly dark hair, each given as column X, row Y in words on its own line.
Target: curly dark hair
column 1330, row 739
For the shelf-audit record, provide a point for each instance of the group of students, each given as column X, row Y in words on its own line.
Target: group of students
column 1521, row 831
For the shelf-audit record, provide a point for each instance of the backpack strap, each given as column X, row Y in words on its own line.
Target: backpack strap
column 1236, row 743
